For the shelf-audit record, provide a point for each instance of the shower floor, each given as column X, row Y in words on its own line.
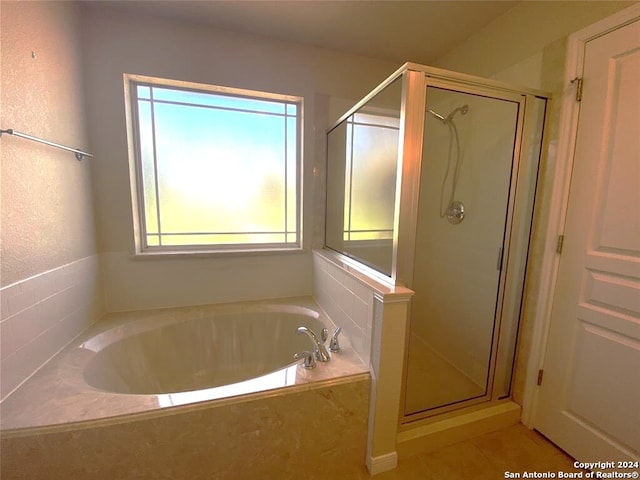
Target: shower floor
column 432, row 381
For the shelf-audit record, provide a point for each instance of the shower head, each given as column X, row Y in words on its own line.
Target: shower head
column 464, row 109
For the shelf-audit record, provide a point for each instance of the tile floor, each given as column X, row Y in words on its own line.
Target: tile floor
column 515, row 449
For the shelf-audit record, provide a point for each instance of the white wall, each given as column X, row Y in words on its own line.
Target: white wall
column 115, row 44
column 50, row 278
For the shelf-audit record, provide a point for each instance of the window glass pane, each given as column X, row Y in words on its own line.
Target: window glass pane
column 145, row 126
column 383, row 119
column 153, row 240
column 216, row 169
column 144, row 92
column 347, row 180
column 292, row 174
column 224, row 185
column 222, row 239
column 373, row 180
column 215, row 100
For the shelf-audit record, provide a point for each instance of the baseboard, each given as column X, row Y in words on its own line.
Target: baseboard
column 382, row 463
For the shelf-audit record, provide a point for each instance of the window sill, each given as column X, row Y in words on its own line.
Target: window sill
column 196, row 253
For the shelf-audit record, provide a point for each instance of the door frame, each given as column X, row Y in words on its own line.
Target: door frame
column 559, row 199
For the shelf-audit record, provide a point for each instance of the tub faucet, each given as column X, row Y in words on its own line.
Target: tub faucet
column 319, row 349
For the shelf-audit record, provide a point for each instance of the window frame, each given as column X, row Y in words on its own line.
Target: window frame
column 141, row 246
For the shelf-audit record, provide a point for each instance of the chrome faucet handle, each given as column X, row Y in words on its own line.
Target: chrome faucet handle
column 309, row 359
column 334, row 345
column 320, row 351
column 324, row 335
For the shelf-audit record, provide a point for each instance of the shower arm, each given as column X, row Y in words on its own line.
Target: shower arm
column 438, row 116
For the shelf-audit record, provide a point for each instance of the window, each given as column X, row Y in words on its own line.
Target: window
column 216, row 168
column 362, row 172
column 370, row 175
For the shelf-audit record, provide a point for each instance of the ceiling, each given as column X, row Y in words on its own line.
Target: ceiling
column 399, row 31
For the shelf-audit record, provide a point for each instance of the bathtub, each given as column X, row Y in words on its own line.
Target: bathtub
column 232, row 351
column 175, row 390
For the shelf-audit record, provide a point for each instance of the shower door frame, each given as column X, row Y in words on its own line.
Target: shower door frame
column 515, row 249
column 406, row 150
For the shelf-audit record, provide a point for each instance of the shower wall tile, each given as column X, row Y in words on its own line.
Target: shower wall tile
column 41, row 314
column 347, row 301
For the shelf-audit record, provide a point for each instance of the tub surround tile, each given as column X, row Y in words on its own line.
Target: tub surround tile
column 41, row 314
column 347, row 295
column 319, row 433
column 7, row 342
column 374, row 314
column 347, row 302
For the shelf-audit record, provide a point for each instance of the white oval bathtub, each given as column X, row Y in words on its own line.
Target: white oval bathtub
column 141, row 362
column 84, row 399
column 197, row 354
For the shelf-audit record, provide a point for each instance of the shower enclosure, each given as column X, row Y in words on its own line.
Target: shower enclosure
column 430, row 184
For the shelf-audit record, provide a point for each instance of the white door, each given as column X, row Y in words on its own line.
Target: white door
column 589, row 399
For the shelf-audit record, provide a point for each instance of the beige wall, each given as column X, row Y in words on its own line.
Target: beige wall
column 47, row 212
column 522, row 33
column 527, row 46
column 116, row 44
column 51, row 288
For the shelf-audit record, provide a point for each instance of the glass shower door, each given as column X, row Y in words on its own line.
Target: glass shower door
column 462, row 229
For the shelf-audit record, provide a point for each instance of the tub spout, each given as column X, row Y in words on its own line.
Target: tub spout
column 320, row 351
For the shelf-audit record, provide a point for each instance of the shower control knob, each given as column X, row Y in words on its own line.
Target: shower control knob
column 455, row 212
column 309, row 359
column 334, row 345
